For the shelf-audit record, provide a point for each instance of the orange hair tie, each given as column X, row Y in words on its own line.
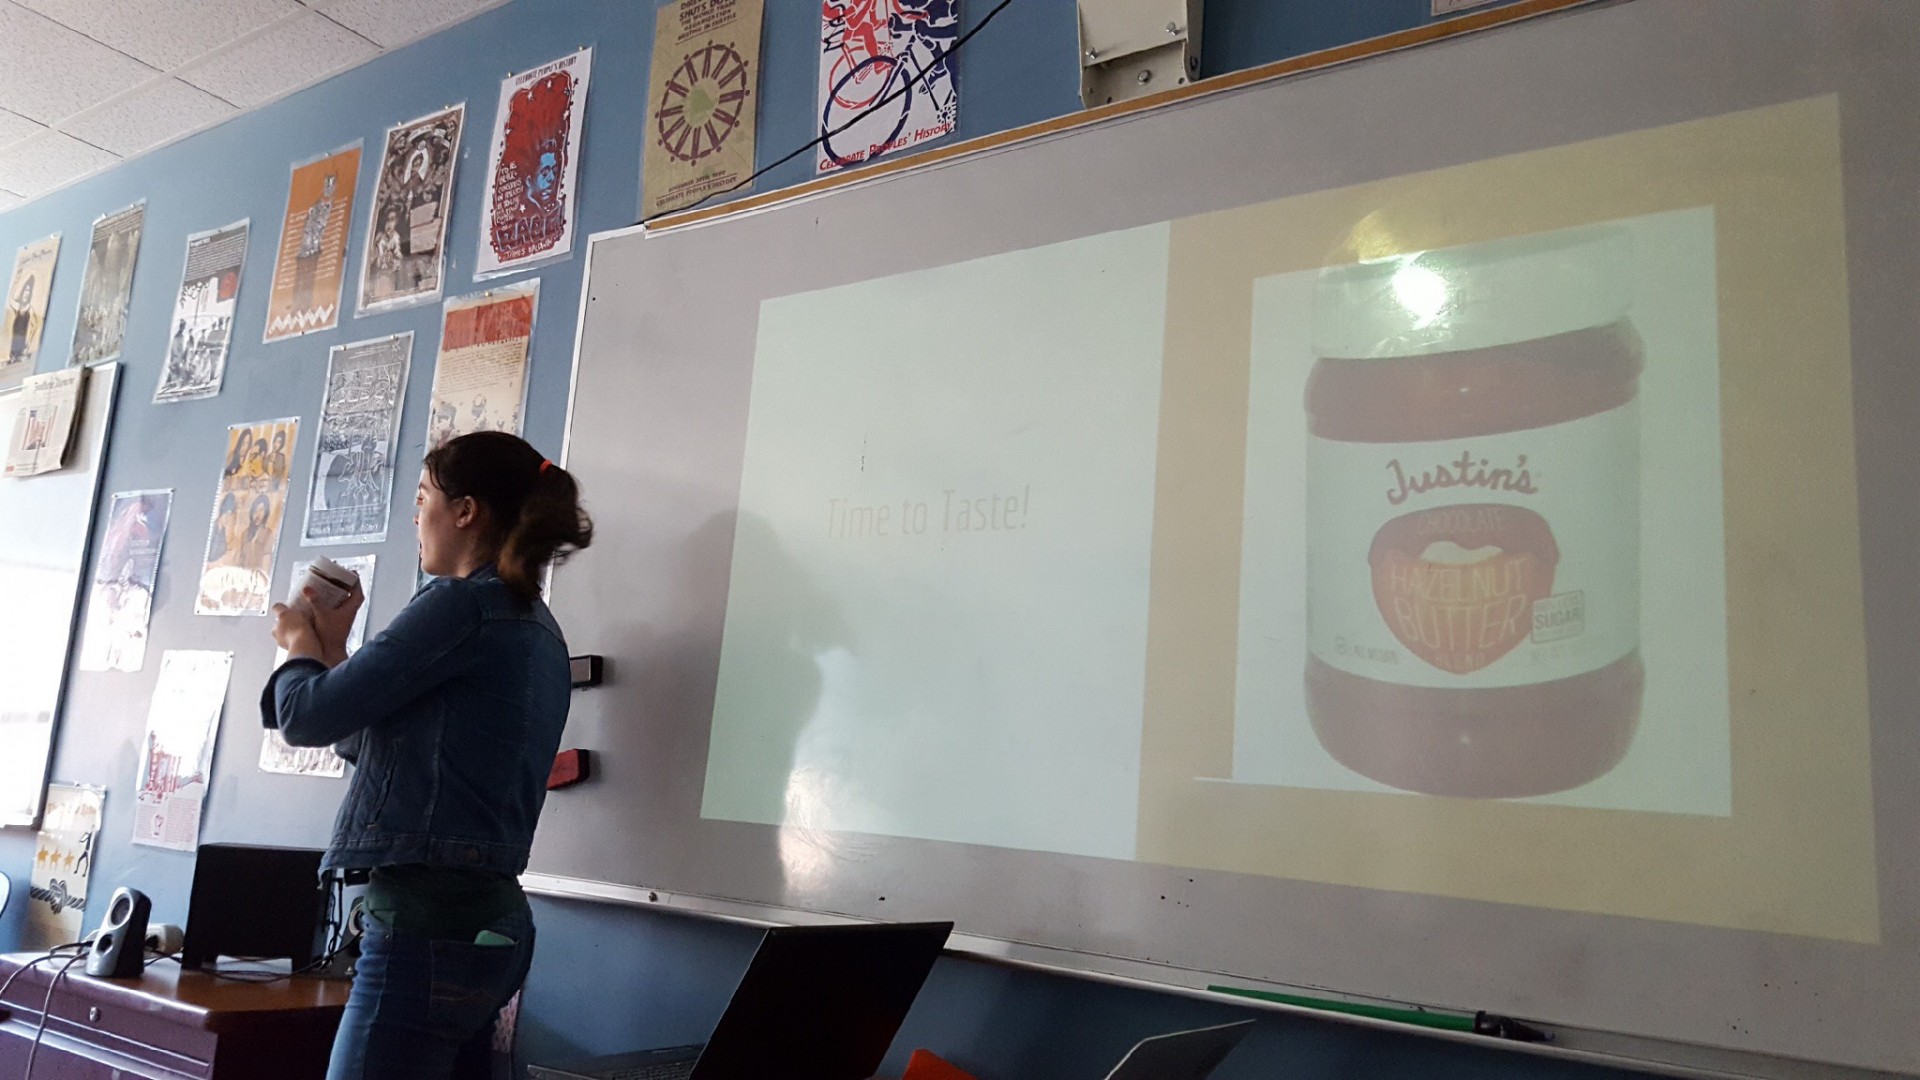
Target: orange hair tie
column 545, row 464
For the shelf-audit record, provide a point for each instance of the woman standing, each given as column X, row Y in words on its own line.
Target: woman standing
column 451, row 717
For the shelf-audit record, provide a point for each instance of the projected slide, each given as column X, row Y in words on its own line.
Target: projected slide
column 938, row 606
column 1488, row 532
column 1524, row 608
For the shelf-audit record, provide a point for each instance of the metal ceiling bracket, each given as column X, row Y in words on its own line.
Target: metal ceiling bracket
column 1132, row 48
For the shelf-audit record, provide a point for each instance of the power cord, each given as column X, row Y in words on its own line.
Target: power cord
column 51, row 954
column 46, row 1006
column 46, row 1003
column 905, row 88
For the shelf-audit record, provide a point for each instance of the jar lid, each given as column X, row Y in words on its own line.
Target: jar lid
column 1474, row 296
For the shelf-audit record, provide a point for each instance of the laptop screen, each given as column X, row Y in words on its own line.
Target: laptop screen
column 822, row 1002
column 1182, row 1055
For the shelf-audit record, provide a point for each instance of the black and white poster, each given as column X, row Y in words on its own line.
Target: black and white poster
column 203, row 315
column 107, row 286
column 403, row 262
column 352, row 486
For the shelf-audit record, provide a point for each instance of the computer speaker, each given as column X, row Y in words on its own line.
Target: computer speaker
column 120, row 948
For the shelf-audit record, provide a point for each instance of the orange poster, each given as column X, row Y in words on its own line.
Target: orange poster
column 313, row 246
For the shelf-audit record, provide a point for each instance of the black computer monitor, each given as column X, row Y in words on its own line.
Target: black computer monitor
column 256, row 902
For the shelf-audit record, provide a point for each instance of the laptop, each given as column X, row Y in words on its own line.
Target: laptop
column 1182, row 1055
column 816, row 1003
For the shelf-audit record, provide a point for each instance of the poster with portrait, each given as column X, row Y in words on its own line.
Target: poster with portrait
column 312, row 259
column 352, row 488
column 45, row 423
column 706, row 77
column 101, row 323
column 62, row 864
column 24, row 318
column 533, row 168
column 275, row 755
column 480, row 376
column 120, row 599
column 407, row 218
column 202, row 328
column 886, row 77
column 248, row 508
column 176, row 757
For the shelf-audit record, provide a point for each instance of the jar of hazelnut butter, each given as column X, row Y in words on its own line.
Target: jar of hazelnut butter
column 1473, row 515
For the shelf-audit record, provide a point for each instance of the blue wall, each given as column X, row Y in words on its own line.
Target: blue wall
column 606, row 978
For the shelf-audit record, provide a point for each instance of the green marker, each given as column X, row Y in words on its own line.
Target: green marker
column 1499, row 1027
column 1444, row 1021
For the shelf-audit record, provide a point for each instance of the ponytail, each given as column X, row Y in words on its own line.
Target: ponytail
column 533, row 504
column 552, row 526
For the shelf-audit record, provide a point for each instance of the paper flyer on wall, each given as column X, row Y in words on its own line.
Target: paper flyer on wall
column 533, row 167
column 480, row 376
column 870, row 51
column 312, row 260
column 275, row 755
column 48, row 410
column 176, row 758
column 101, row 323
column 407, row 218
column 352, row 488
column 25, row 315
column 62, row 864
column 248, row 508
column 120, row 601
column 202, row 327
column 706, row 77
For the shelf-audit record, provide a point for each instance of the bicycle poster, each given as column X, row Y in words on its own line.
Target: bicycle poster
column 885, row 77
column 352, row 487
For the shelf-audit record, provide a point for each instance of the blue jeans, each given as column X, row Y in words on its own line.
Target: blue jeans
column 423, row 1009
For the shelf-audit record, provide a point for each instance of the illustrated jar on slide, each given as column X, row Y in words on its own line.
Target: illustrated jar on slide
column 1473, row 515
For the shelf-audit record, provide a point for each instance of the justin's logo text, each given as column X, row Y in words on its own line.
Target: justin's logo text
column 1466, row 472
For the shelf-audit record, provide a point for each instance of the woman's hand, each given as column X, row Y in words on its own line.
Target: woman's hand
column 334, row 624
column 293, row 631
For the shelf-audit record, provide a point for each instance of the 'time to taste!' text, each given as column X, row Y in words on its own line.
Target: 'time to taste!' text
column 952, row 512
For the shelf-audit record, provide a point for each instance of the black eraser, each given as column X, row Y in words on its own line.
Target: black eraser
column 586, row 671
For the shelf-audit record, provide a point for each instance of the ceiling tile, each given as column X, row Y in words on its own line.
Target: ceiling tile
column 39, row 62
column 290, row 55
column 46, row 161
column 8, row 200
column 164, row 33
column 393, row 24
column 148, row 117
column 14, row 127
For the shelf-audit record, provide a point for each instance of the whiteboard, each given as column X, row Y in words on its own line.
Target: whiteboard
column 952, row 533
column 45, row 521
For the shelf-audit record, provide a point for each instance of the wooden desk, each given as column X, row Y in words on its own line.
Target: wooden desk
column 168, row 1025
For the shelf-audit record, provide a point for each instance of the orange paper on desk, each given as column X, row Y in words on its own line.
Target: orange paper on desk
column 924, row 1065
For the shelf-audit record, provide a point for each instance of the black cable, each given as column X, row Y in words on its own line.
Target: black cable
column 908, row 87
column 46, row 1006
column 50, row 954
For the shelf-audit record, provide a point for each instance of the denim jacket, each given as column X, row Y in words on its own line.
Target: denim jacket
column 451, row 716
